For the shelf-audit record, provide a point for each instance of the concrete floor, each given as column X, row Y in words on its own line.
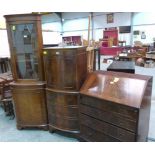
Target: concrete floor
column 9, row 133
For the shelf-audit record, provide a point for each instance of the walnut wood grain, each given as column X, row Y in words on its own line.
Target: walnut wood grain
column 121, row 88
column 65, row 70
column 115, row 106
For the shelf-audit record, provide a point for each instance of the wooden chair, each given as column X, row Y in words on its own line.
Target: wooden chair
column 5, row 65
column 6, row 99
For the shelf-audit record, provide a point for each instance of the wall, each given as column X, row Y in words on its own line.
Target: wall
column 120, row 19
column 77, row 24
column 4, row 46
column 51, row 33
column 51, row 29
column 144, row 22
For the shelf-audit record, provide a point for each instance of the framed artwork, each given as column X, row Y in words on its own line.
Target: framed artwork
column 143, row 35
column 110, row 18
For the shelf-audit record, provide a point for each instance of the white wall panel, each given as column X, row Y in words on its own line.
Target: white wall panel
column 51, row 38
column 76, row 24
column 98, row 34
column 144, row 18
column 149, row 31
column 120, row 19
column 55, row 26
column 4, row 46
column 73, row 15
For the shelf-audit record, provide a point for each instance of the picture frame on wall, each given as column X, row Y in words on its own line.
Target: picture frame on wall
column 143, row 35
column 110, row 18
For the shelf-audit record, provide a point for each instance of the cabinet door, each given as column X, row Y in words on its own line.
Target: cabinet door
column 30, row 106
column 61, row 72
column 24, row 44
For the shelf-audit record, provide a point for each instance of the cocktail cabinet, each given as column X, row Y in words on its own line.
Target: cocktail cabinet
column 65, row 70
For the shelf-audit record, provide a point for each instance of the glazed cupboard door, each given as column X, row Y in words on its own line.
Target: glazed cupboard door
column 24, row 44
column 61, row 72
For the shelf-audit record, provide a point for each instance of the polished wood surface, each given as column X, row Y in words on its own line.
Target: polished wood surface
column 65, row 67
column 63, row 110
column 66, row 70
column 113, row 107
column 116, row 87
column 30, row 104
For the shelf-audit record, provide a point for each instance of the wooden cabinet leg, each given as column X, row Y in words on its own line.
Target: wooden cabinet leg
column 19, row 127
column 52, row 130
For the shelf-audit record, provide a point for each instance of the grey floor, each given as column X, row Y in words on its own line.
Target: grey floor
column 9, row 133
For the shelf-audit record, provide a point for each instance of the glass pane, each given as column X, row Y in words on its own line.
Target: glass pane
column 25, row 45
column 27, row 66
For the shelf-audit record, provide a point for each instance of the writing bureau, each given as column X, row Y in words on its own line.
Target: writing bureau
column 115, row 106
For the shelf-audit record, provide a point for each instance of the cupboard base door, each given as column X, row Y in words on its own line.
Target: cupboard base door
column 30, row 105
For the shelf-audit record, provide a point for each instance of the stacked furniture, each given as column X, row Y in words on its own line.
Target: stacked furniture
column 65, row 70
column 25, row 40
column 115, row 107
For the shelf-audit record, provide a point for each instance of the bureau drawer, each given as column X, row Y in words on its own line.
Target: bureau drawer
column 110, row 117
column 107, row 129
column 123, row 111
column 89, row 134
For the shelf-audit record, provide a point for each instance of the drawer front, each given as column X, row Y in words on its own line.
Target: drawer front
column 107, row 129
column 63, row 111
column 110, row 117
column 123, row 111
column 64, row 123
column 63, row 99
column 89, row 134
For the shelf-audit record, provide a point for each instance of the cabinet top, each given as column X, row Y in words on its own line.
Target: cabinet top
column 122, row 88
column 22, row 17
column 64, row 47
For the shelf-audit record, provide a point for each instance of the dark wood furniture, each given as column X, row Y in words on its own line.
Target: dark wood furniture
column 5, row 94
column 4, row 65
column 28, row 88
column 115, row 107
column 122, row 66
column 65, row 70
